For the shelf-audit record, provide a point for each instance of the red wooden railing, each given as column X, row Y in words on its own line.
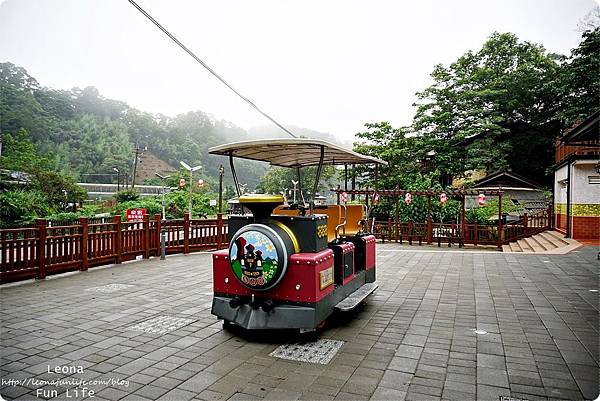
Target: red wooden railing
column 36, row 252
column 467, row 233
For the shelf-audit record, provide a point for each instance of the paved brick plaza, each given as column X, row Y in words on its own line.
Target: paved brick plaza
column 413, row 340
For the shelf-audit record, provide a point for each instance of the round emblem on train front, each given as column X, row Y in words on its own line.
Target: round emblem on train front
column 258, row 257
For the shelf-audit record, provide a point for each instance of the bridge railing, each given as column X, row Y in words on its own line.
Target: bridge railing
column 35, row 252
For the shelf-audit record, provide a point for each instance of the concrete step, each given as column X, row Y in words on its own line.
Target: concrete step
column 533, row 244
column 554, row 239
column 525, row 246
column 514, row 247
column 549, row 242
column 544, row 242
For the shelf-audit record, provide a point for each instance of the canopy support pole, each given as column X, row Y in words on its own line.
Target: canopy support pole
column 317, row 179
column 353, row 181
column 345, row 177
column 301, row 197
column 235, row 179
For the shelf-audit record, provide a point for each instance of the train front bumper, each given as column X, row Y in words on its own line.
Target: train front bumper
column 281, row 316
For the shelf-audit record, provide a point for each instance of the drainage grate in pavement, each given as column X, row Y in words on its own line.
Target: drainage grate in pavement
column 161, row 324
column 109, row 288
column 321, row 351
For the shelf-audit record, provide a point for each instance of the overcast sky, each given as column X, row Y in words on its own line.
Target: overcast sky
column 325, row 65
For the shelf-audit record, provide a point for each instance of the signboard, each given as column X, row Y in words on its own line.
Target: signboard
column 325, row 278
column 135, row 214
column 213, row 202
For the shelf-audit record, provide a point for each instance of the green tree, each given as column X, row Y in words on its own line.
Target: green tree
column 492, row 109
column 20, row 154
column 278, row 179
column 578, row 82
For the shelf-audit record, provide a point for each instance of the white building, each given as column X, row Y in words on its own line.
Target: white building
column 577, row 181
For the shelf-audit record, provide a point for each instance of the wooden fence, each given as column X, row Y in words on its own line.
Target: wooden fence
column 467, row 233
column 35, row 252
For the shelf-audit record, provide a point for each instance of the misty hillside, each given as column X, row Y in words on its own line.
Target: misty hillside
column 271, row 131
column 86, row 135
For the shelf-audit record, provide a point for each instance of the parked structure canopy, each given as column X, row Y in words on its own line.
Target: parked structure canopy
column 293, row 152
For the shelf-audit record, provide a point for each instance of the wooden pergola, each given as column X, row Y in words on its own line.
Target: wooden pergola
column 452, row 193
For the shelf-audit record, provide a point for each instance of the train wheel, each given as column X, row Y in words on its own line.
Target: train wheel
column 321, row 326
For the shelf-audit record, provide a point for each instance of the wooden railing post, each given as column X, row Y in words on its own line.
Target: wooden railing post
column 83, row 223
column 118, row 245
column 219, row 230
column 186, row 233
column 390, row 229
column 41, row 226
column 146, row 223
column 550, row 223
column 476, row 233
column 429, row 221
column 500, row 222
column 410, row 232
column 158, row 223
column 525, row 223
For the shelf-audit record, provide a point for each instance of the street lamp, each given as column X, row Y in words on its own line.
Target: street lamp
column 163, row 246
column 191, row 170
column 118, row 177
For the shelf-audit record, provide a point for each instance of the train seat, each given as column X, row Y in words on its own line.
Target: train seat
column 334, row 217
column 283, row 210
column 334, row 213
column 354, row 215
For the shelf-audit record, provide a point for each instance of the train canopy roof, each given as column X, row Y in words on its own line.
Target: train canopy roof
column 293, row 152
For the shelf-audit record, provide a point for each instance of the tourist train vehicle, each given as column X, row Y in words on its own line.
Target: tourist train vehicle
column 290, row 266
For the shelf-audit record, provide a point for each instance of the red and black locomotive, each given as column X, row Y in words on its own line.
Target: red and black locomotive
column 291, row 266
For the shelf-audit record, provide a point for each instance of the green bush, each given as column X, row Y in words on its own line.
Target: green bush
column 126, row 195
column 482, row 214
column 22, row 207
column 151, row 204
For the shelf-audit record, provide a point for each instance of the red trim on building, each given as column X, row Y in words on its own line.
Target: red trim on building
column 583, row 227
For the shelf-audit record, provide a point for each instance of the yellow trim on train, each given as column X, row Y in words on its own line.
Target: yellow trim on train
column 260, row 198
column 290, row 233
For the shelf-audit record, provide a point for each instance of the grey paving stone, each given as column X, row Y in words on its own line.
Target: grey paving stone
column 428, row 303
column 199, row 381
column 485, row 392
column 492, row 377
column 177, row 395
column 396, row 380
column 387, row 394
column 403, row 364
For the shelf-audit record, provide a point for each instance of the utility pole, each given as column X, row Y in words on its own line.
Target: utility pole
column 118, row 178
column 135, row 162
column 163, row 246
column 221, row 173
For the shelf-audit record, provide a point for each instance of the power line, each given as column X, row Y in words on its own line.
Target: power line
column 188, row 51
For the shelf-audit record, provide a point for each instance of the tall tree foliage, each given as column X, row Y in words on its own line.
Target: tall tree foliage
column 579, row 84
column 492, row 109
